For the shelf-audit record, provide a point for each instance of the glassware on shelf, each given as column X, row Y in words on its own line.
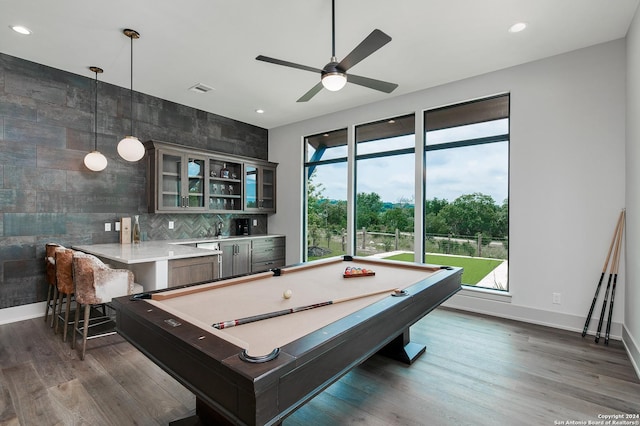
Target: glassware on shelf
column 230, row 189
column 224, row 172
column 232, row 203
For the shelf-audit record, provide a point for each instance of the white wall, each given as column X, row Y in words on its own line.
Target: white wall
column 567, row 183
column 631, row 332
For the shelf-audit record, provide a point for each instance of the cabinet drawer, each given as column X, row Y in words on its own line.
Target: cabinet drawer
column 260, row 243
column 265, row 254
column 266, row 265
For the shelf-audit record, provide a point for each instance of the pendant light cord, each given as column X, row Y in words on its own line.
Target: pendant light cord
column 95, row 116
column 132, row 86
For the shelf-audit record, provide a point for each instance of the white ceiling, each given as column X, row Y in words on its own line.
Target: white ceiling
column 215, row 42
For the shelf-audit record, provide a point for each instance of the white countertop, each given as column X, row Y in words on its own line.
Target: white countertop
column 152, row 251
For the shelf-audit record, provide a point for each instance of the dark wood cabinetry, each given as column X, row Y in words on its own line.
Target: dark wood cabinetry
column 193, row 270
column 267, row 253
column 186, row 180
column 236, row 257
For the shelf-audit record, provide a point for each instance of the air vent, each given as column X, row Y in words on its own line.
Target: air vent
column 201, row 88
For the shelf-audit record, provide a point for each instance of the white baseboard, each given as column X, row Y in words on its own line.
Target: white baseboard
column 632, row 349
column 23, row 312
column 496, row 308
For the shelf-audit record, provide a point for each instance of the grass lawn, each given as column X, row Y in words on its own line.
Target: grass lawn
column 474, row 269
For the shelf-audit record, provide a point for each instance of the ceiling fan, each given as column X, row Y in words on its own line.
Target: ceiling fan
column 334, row 75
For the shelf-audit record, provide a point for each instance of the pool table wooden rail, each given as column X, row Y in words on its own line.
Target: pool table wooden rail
column 263, row 394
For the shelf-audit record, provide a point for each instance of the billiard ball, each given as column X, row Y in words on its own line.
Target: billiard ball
column 287, row 294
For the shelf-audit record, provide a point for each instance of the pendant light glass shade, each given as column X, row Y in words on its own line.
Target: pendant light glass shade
column 95, row 160
column 130, row 148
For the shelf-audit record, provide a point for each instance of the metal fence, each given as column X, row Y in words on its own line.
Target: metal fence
column 373, row 242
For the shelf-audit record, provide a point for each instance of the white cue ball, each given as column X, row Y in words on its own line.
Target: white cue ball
column 287, row 294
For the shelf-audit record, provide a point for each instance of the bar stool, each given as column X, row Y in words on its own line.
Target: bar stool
column 96, row 284
column 50, row 277
column 64, row 283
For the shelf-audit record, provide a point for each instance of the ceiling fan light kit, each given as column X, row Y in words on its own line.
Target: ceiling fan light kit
column 333, row 76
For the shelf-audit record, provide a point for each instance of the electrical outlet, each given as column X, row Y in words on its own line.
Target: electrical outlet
column 107, row 227
column 171, row 224
column 117, row 228
column 556, row 298
column 255, row 222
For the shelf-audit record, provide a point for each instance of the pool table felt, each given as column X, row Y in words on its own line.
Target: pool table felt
column 310, row 283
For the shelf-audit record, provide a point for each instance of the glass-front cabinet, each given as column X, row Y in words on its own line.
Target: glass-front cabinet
column 182, row 178
column 259, row 182
column 187, row 180
column 225, row 185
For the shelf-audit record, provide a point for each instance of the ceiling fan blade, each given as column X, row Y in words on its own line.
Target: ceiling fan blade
column 311, row 93
column 371, row 83
column 373, row 42
column 287, row 64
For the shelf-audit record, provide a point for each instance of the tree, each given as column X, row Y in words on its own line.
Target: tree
column 398, row 217
column 336, row 214
column 501, row 225
column 368, row 208
column 435, row 205
column 435, row 224
column 315, row 200
column 471, row 214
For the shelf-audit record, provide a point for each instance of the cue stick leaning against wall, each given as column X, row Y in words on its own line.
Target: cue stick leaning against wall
column 604, row 271
column 613, row 271
column 615, row 278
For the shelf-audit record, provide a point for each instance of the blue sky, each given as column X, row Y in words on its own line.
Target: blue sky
column 449, row 173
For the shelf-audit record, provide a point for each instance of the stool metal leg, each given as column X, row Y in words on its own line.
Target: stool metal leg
column 85, row 329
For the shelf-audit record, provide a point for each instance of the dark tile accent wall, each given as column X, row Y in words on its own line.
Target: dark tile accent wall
column 47, row 194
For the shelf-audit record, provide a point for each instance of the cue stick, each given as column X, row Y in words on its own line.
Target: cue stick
column 615, row 278
column 260, row 317
column 606, row 291
column 604, row 271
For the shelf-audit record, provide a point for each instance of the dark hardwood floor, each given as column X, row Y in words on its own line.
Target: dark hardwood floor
column 478, row 370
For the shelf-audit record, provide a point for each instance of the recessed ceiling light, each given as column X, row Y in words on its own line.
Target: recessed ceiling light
column 21, row 30
column 260, row 111
column 516, row 28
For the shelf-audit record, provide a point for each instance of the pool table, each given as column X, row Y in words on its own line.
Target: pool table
column 259, row 372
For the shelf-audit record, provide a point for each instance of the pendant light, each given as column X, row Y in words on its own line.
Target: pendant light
column 130, row 148
column 95, row 160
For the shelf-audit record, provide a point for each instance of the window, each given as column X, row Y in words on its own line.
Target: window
column 466, row 189
column 385, row 186
column 465, row 198
column 326, row 190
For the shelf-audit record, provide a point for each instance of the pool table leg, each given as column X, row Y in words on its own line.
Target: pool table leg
column 205, row 416
column 403, row 349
